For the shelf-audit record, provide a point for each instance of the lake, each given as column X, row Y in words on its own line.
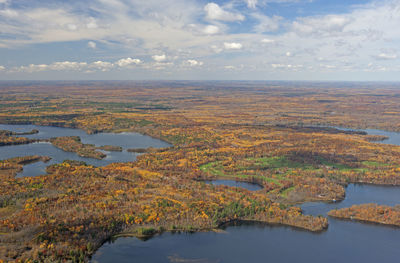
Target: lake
column 343, row 241
column 126, row 140
column 233, row 183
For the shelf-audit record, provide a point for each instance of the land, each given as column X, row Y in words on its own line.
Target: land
column 142, row 150
column 274, row 134
column 74, row 144
column 110, row 148
column 372, row 213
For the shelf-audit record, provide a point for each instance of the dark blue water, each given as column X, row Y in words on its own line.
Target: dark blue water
column 357, row 194
column 343, row 241
column 125, row 140
column 233, row 183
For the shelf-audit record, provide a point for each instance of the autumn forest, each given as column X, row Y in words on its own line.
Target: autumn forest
column 284, row 137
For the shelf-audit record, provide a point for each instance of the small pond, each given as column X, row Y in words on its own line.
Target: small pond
column 233, row 183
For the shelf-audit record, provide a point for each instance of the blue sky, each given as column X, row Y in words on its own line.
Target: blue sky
column 198, row 39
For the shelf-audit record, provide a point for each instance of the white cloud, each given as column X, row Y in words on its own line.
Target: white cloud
column 321, row 25
column 161, row 65
column 101, row 65
column 233, row 45
column 32, row 68
column 128, row 61
column 72, row 27
column 251, row 3
column 10, row 13
column 289, row 54
column 386, row 56
column 91, row 44
column 2, row 68
column 78, row 66
column 287, row 67
column 216, row 49
column 267, row 41
column 91, row 24
column 211, row 30
column 278, row 65
column 327, row 66
column 159, row 58
column 193, row 63
column 215, row 12
column 57, row 66
column 266, row 23
column 67, row 65
column 151, row 28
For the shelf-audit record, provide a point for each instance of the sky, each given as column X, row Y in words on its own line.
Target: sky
column 338, row 40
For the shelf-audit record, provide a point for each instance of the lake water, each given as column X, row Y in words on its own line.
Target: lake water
column 233, row 183
column 126, row 140
column 357, row 194
column 394, row 137
column 343, row 241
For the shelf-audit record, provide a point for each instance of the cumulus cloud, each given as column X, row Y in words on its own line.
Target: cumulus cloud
column 266, row 23
column 77, row 66
column 101, row 65
column 233, row 45
column 267, row 41
column 10, row 13
column 251, row 3
column 91, row 44
column 211, row 30
column 194, row 29
column 32, row 68
column 67, row 65
column 91, row 23
column 286, row 66
column 216, row 49
column 193, row 63
column 215, row 12
column 128, row 61
column 386, row 56
column 72, row 27
column 159, row 58
column 321, row 25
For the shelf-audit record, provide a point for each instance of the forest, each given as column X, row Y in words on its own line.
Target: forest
column 373, row 213
column 280, row 136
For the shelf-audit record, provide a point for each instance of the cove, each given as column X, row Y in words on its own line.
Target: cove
column 126, row 140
